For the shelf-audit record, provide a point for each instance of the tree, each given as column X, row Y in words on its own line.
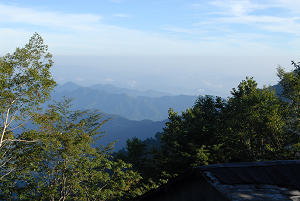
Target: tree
column 136, row 154
column 251, row 125
column 142, row 159
column 25, row 83
column 290, row 82
column 192, row 138
column 255, row 124
column 62, row 165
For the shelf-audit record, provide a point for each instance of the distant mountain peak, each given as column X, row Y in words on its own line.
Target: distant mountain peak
column 68, row 86
column 130, row 92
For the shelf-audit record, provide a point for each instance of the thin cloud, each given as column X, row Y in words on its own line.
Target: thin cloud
column 86, row 34
column 60, row 79
column 254, row 19
column 79, row 79
column 293, row 6
column 109, row 80
column 288, row 27
column 132, row 83
column 45, row 18
column 121, row 15
column 209, row 84
column 92, row 37
column 238, row 8
column 179, row 30
column 243, row 12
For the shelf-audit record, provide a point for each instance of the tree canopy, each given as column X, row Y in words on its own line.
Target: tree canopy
column 56, row 160
column 25, row 83
column 252, row 124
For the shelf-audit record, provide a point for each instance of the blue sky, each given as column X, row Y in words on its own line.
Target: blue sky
column 205, row 46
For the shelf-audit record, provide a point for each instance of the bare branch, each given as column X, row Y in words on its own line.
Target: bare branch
column 7, row 173
column 17, row 140
column 19, row 125
column 5, row 151
column 13, row 116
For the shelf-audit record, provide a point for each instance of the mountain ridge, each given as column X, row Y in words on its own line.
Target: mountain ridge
column 71, row 86
column 133, row 108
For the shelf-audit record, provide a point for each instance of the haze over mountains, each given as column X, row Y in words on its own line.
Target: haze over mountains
column 134, row 113
column 71, row 86
column 131, row 104
column 120, row 129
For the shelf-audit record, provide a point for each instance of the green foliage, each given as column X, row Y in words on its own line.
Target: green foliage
column 290, row 82
column 25, row 82
column 251, row 125
column 190, row 138
column 153, row 142
column 62, row 165
column 142, row 159
column 136, row 154
column 255, row 124
column 56, row 161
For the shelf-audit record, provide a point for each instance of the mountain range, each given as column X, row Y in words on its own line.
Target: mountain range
column 141, row 114
column 132, row 113
column 120, row 129
column 152, row 105
column 71, row 86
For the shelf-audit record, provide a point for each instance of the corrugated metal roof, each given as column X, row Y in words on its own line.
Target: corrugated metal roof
column 280, row 173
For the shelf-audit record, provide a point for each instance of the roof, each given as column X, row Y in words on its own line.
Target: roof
column 267, row 180
column 280, row 173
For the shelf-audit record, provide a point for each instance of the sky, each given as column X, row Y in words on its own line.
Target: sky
column 177, row 46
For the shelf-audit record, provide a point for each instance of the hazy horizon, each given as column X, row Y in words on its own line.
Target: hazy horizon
column 108, row 70
column 169, row 46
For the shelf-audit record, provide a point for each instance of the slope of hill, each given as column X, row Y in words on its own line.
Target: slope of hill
column 135, row 93
column 278, row 89
column 121, row 129
column 68, row 86
column 71, row 86
column 134, row 108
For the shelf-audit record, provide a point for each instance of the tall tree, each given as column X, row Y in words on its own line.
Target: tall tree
column 290, row 82
column 25, row 83
column 248, row 126
column 136, row 154
column 255, row 124
column 62, row 165
column 143, row 158
column 192, row 138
